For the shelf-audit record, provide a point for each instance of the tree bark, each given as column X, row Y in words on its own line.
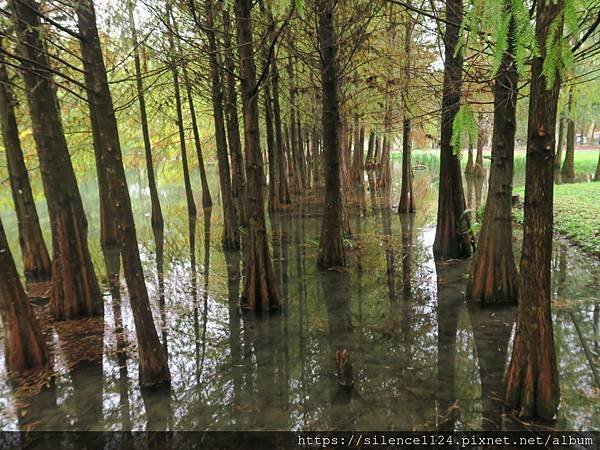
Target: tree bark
column 481, row 138
column 295, row 149
column 559, row 144
column 284, row 190
column 493, row 276
column 153, row 361
column 331, row 248
column 452, row 236
column 231, row 235
column 532, row 379
column 75, row 291
column 597, row 175
column 156, row 220
column 568, row 168
column 36, row 261
column 238, row 182
column 273, row 155
column 370, row 149
column 24, row 345
column 470, row 167
column 407, row 201
column 272, row 151
column 260, row 287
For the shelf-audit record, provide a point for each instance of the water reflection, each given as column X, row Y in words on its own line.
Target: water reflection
column 421, row 357
column 450, row 299
column 492, row 328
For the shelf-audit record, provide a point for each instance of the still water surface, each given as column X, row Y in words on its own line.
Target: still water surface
column 422, row 357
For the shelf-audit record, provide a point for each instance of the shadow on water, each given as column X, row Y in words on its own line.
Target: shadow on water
column 420, row 357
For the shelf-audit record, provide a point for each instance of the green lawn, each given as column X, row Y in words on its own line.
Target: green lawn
column 576, row 214
column 585, row 160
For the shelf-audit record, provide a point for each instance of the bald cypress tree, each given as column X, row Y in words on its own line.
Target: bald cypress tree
column 25, row 348
column 452, row 237
column 75, row 291
column 153, row 361
column 331, row 250
column 493, row 276
column 36, row 261
column 260, row 286
column 532, row 379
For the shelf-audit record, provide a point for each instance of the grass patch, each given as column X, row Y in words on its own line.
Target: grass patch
column 585, row 160
column 576, row 214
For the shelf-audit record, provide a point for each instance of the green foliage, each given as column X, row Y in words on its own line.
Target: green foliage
column 463, row 127
column 492, row 21
column 559, row 57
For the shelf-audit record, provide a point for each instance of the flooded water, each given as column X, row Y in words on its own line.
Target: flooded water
column 422, row 357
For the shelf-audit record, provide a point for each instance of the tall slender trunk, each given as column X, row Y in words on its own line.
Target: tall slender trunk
column 24, row 345
column 189, row 193
column 231, row 235
column 272, row 151
column 470, row 166
column 75, row 291
column 238, row 181
column 36, row 261
column 260, row 286
column 568, row 168
column 597, row 175
column 481, row 138
column 452, row 236
column 284, row 190
column 493, row 276
column 559, row 143
column 153, row 362
column 532, row 379
column 294, row 139
column 407, row 201
column 273, row 154
column 331, row 249
column 206, row 198
column 156, row 220
column 370, row 149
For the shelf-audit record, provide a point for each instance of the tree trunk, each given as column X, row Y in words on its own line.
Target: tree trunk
column 36, row 261
column 238, row 181
column 331, row 251
column 294, row 132
column 153, row 362
column 273, row 155
column 559, row 144
column 260, row 287
column 231, row 235
column 377, row 150
column 407, row 201
column 206, row 198
column 24, row 345
column 452, row 236
column 478, row 168
column 597, row 175
column 568, row 168
column 493, row 276
column 370, row 150
column 75, row 290
column 156, row 220
column 532, row 379
column 284, row 190
column 470, row 168
column 272, row 151
column 189, row 193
